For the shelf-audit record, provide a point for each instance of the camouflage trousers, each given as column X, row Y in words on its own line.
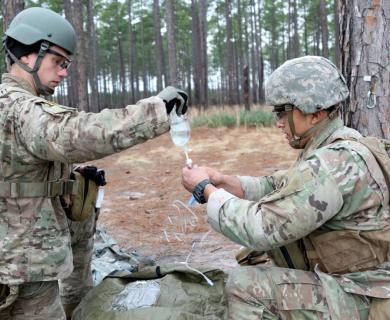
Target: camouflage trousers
column 76, row 286
column 36, row 301
column 44, row 300
column 277, row 293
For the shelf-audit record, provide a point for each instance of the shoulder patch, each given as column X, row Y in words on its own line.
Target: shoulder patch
column 55, row 108
column 50, row 103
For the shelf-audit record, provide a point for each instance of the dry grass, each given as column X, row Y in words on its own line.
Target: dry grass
column 232, row 116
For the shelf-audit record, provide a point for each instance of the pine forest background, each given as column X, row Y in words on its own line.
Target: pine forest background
column 220, row 52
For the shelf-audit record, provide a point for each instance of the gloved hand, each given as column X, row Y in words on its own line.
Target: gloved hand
column 174, row 97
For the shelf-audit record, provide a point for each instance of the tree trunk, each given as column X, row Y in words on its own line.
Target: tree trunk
column 196, row 53
column 260, row 72
column 82, row 88
column 246, row 37
column 237, row 75
column 120, row 62
column 253, row 52
column 305, row 31
column 93, row 63
column 318, row 35
column 78, row 75
column 324, row 28
column 203, row 49
column 143, row 53
column 172, row 62
column 71, row 79
column 336, row 33
column 105, row 88
column 240, row 46
column 229, row 53
column 132, row 54
column 10, row 8
column 365, row 44
column 295, row 37
column 245, row 86
column 289, row 33
column 159, row 47
column 122, row 78
column 274, row 49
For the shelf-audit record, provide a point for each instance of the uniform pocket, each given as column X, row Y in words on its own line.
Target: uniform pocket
column 299, row 290
column 344, row 251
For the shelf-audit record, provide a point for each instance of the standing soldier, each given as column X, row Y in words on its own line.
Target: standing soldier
column 325, row 222
column 39, row 141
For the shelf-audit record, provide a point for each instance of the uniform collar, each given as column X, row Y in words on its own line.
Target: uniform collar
column 15, row 81
column 322, row 138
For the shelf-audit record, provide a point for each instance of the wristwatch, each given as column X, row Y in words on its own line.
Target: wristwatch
column 198, row 191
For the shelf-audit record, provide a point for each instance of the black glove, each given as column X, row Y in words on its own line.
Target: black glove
column 93, row 173
column 174, row 97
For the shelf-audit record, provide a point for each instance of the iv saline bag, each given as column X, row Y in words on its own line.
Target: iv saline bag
column 180, row 135
column 180, row 129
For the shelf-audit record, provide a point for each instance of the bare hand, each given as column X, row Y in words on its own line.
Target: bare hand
column 192, row 176
column 216, row 177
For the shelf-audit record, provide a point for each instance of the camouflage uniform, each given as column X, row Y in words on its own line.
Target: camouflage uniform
column 75, row 287
column 36, row 138
column 335, row 185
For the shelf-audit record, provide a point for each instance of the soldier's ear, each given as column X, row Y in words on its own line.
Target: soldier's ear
column 29, row 59
column 318, row 116
column 24, row 59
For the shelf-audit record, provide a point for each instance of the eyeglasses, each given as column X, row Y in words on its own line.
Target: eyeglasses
column 279, row 114
column 64, row 64
column 281, row 111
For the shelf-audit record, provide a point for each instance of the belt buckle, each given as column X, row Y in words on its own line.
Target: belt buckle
column 14, row 190
column 54, row 188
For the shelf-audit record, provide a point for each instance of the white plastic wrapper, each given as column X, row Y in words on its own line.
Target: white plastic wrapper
column 137, row 294
column 109, row 257
column 100, row 197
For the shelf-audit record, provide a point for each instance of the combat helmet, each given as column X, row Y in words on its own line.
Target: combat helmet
column 43, row 27
column 310, row 84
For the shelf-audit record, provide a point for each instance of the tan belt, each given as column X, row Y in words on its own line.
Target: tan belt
column 48, row 189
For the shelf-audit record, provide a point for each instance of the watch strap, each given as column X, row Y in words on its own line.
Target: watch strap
column 198, row 191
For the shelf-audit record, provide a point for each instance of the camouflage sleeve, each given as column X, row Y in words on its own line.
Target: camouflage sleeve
column 257, row 187
column 308, row 197
column 59, row 133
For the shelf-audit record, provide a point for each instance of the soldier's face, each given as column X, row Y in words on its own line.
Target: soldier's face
column 302, row 122
column 53, row 67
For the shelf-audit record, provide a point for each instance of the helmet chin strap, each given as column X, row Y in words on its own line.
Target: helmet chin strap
column 297, row 138
column 42, row 89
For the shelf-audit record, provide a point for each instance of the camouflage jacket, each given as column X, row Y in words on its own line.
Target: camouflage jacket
column 36, row 136
column 335, row 184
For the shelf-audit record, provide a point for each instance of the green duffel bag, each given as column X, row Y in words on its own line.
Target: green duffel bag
column 157, row 293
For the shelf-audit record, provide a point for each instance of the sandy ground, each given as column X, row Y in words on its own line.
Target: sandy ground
column 143, row 207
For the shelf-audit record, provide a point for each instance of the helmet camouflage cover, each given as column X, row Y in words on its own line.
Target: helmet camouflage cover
column 310, row 83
